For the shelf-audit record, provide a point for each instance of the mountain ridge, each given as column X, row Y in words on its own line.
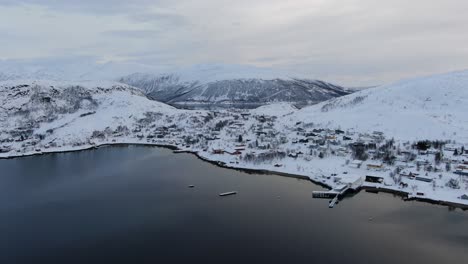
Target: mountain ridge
column 173, row 89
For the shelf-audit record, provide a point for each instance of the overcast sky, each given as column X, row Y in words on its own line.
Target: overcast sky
column 351, row 42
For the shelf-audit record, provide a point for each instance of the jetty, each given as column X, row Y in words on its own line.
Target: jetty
column 348, row 183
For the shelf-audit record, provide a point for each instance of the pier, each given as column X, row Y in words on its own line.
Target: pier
column 350, row 183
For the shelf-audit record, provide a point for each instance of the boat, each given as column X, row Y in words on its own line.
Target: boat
column 228, row 193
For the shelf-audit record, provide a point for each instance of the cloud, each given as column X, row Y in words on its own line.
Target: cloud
column 132, row 33
column 168, row 18
column 353, row 41
column 89, row 6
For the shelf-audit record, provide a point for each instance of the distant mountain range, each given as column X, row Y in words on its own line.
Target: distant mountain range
column 205, row 84
column 173, row 89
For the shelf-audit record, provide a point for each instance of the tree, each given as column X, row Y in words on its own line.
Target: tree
column 321, row 155
column 423, row 145
column 359, row 152
column 394, row 177
column 438, row 158
column 448, row 166
column 240, row 138
column 455, row 152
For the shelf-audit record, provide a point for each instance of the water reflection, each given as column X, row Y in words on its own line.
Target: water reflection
column 133, row 204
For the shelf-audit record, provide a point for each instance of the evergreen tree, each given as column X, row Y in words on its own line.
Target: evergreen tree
column 438, row 158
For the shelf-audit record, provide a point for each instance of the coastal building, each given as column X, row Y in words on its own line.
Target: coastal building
column 463, row 172
column 375, row 166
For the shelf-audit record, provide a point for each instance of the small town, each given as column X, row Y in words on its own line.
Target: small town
column 341, row 160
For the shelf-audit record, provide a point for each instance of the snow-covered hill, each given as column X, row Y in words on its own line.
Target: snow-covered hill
column 434, row 107
column 71, row 111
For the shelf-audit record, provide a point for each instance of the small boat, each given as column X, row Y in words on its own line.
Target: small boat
column 191, row 186
column 227, row 193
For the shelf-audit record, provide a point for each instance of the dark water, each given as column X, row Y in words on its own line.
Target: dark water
column 132, row 205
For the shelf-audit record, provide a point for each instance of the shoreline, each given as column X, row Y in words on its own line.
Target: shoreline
column 176, row 150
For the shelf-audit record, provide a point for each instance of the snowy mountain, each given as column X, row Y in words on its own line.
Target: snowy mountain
column 175, row 89
column 433, row 107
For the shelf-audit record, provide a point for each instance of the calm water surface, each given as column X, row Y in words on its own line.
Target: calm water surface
column 132, row 204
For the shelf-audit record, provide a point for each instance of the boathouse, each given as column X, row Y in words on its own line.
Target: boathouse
column 374, row 179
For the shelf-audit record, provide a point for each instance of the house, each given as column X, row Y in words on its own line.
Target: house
column 4, row 149
column 263, row 146
column 245, row 116
column 422, row 161
column 450, row 147
column 432, row 151
column 463, row 172
column 464, row 197
column 356, row 163
column 424, row 179
column 378, row 133
column 401, row 158
column 375, row 166
column 218, row 151
column 409, row 173
column 374, row 179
